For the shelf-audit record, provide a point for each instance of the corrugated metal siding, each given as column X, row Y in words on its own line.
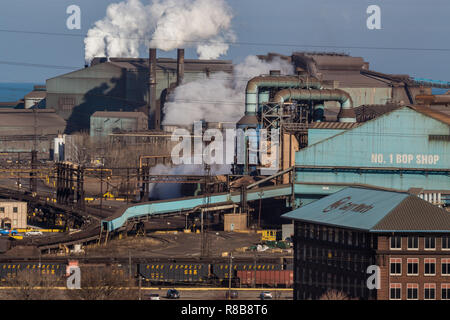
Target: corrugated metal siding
column 317, row 135
column 398, row 139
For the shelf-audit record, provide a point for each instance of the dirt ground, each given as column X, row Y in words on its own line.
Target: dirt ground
column 178, row 244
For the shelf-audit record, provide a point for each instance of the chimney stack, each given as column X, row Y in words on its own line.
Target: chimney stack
column 180, row 66
column 153, row 111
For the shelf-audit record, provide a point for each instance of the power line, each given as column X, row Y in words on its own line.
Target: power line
column 26, row 64
column 232, row 43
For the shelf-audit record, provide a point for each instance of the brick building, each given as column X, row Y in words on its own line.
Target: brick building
column 13, row 214
column 337, row 237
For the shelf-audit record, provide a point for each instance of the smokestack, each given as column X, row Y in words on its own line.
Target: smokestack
column 275, row 72
column 154, row 112
column 180, row 66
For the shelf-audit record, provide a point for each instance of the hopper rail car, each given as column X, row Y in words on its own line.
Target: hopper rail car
column 245, row 273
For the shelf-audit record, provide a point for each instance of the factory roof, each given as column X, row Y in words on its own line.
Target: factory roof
column 119, row 114
column 12, row 104
column 22, row 122
column 367, row 112
column 333, row 125
column 36, row 94
column 433, row 113
column 190, row 65
column 374, row 210
column 351, row 78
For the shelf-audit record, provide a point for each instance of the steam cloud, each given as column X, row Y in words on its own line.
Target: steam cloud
column 161, row 24
column 165, row 191
column 220, row 98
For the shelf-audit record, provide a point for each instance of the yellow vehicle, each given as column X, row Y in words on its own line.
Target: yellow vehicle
column 108, row 195
column 270, row 235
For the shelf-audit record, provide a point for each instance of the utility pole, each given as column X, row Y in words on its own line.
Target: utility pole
column 140, row 287
column 204, row 235
column 129, row 264
column 101, row 189
column 33, row 182
column 259, row 214
column 229, row 275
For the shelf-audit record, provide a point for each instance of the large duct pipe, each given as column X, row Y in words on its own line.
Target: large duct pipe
column 180, row 66
column 154, row 112
column 253, row 86
column 251, row 92
column 346, row 114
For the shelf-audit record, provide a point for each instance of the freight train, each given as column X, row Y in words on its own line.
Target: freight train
column 10, row 270
column 243, row 274
column 217, row 274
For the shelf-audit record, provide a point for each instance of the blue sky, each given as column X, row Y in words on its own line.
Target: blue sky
column 405, row 24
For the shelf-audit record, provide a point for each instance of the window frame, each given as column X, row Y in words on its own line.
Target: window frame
column 412, row 286
column 413, row 248
column 412, row 261
column 447, row 262
column 429, row 261
column 429, row 286
column 445, row 286
column 425, row 243
column 390, row 243
column 395, row 261
column 395, row 286
column 447, row 238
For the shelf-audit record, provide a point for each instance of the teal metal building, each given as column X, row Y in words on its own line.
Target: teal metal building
column 406, row 148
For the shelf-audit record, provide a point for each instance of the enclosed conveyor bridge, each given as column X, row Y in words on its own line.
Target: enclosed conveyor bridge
column 190, row 204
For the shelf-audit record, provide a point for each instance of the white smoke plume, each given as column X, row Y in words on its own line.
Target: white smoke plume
column 162, row 24
column 170, row 190
column 220, row 98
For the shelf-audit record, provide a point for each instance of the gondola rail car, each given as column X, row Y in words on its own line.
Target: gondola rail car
column 10, row 270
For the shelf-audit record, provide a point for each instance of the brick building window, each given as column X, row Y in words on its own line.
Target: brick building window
column 396, row 243
column 430, row 291
column 2, row 209
column 396, row 266
column 395, row 291
column 413, row 266
column 446, row 243
column 430, row 266
column 445, row 267
column 413, row 243
column 15, row 209
column 412, row 291
column 430, row 243
column 445, row 291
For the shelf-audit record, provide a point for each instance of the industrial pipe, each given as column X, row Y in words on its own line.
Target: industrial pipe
column 180, row 66
column 346, row 114
column 154, row 113
column 251, row 92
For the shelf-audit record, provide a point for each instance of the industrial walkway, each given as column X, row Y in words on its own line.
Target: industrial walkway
column 190, row 204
